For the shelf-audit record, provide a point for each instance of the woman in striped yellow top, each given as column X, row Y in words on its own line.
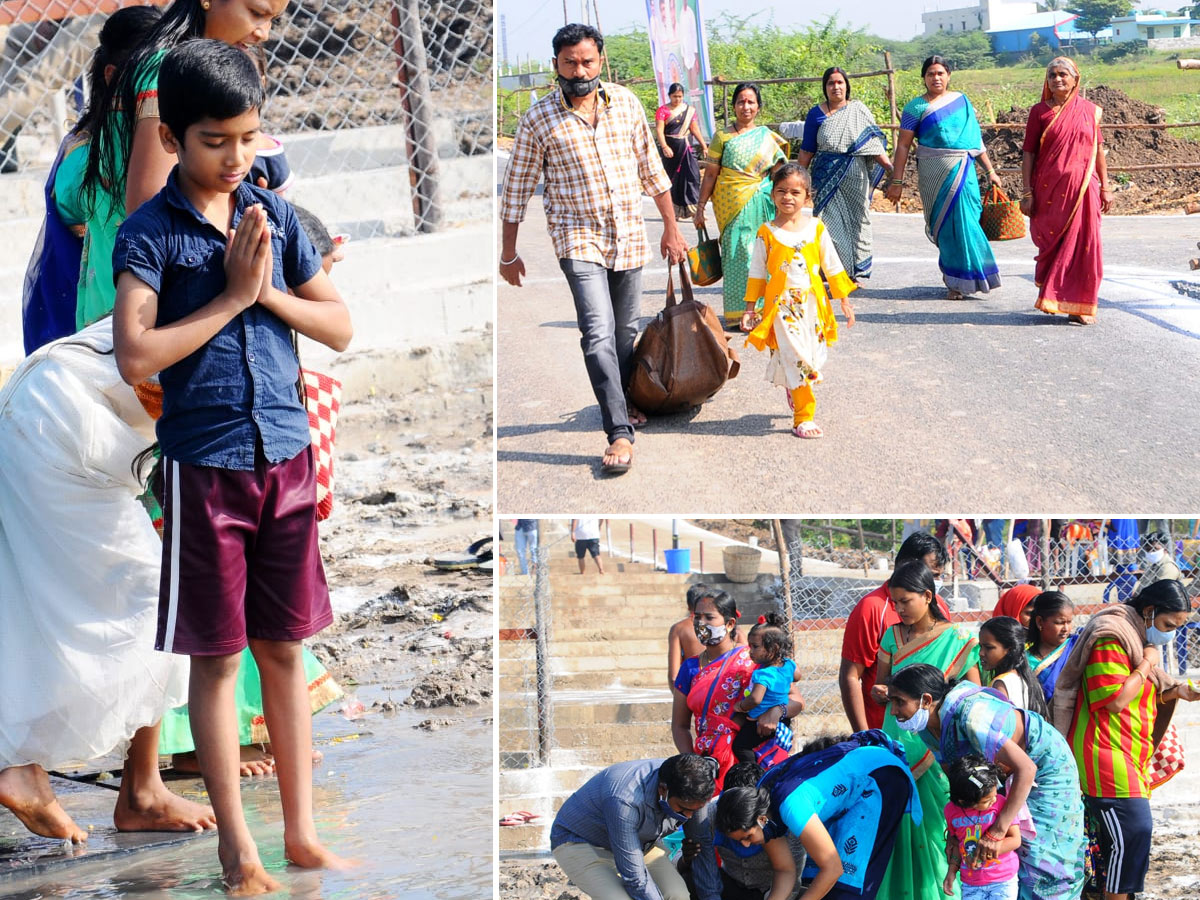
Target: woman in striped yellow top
column 1116, row 720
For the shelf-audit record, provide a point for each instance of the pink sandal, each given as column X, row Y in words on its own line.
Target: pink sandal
column 809, row 430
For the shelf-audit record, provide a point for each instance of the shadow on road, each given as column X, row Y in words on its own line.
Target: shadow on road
column 552, row 459
column 966, row 317
column 751, row 425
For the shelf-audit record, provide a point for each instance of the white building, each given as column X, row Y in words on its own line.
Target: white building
column 1153, row 27
column 985, row 15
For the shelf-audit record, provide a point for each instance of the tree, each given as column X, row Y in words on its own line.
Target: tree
column 1096, row 15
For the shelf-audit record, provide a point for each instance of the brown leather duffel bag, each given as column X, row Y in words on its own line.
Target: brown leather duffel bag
column 683, row 356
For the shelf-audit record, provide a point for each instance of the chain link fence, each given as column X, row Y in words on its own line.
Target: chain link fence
column 526, row 722
column 831, row 565
column 384, row 107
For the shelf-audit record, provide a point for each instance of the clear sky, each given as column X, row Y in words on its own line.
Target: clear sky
column 531, row 23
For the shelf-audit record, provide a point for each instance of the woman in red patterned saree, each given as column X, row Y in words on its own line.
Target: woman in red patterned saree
column 1065, row 190
column 708, row 686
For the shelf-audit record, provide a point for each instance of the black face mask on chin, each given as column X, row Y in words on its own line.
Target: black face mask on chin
column 578, row 87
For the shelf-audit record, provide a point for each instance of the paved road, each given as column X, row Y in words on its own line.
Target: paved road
column 928, row 404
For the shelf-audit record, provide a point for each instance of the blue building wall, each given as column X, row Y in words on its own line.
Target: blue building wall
column 1018, row 41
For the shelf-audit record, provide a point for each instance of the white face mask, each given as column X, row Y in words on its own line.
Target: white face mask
column 918, row 721
column 1154, row 556
column 710, row 634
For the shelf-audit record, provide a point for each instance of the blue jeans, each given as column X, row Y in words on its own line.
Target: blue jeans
column 607, row 306
column 1000, row 890
column 525, row 543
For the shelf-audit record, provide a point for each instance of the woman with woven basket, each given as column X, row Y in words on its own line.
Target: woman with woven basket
column 943, row 124
column 1114, row 703
column 1064, row 190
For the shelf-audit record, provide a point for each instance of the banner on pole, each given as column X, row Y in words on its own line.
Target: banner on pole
column 680, row 54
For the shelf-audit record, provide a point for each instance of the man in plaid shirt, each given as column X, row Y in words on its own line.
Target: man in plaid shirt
column 593, row 145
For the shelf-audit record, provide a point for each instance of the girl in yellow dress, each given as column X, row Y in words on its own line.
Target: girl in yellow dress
column 797, row 323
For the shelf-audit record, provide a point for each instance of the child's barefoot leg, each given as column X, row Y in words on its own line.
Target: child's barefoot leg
column 247, row 879
column 144, row 803
column 214, row 725
column 26, row 792
column 289, row 721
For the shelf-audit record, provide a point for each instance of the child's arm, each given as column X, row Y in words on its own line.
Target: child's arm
column 142, row 349
column 1011, row 842
column 840, row 284
column 756, row 283
column 755, row 697
column 953, row 862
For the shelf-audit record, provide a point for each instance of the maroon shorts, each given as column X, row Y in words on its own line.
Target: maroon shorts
column 240, row 557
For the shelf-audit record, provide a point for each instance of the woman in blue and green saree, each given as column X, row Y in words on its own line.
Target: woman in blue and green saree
column 948, row 139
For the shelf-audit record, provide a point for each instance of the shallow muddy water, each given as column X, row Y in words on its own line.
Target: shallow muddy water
column 412, row 806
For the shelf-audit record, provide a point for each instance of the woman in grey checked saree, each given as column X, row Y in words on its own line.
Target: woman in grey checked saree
column 847, row 157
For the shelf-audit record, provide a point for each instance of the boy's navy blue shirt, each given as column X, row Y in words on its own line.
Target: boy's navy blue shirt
column 240, row 387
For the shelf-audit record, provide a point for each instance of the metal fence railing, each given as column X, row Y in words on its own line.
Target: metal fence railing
column 526, row 707
column 828, row 567
column 392, row 97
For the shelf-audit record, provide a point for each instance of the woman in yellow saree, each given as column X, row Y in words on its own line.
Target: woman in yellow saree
column 918, row 865
column 737, row 179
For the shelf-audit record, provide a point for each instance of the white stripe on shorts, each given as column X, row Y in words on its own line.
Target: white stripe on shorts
column 1118, row 852
column 173, row 589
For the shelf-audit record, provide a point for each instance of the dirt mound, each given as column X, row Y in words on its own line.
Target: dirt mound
column 1159, row 190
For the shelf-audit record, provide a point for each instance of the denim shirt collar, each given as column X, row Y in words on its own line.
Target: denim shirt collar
column 242, row 197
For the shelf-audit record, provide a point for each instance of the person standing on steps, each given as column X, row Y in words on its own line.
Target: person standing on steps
column 586, row 535
column 591, row 143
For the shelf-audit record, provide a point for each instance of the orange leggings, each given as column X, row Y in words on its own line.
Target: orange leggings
column 804, row 404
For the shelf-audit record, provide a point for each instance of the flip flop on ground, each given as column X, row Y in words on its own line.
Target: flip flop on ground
column 810, row 430
column 618, row 458
column 476, row 555
column 520, row 817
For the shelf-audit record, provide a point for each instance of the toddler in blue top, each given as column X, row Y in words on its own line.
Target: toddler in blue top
column 204, row 270
column 771, row 649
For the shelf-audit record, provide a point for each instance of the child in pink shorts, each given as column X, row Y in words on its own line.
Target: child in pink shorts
column 975, row 803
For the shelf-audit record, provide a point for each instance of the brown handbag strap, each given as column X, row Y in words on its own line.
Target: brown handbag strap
column 685, row 281
column 670, row 289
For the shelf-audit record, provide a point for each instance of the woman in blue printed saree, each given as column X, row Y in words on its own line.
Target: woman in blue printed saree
column 737, row 178
column 846, row 155
column 966, row 718
column 948, row 140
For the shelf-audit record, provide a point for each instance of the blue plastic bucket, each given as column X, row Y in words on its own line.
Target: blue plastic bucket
column 679, row 562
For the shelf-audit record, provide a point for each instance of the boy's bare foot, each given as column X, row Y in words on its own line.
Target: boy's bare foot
column 254, row 761
column 313, row 855
column 248, row 879
column 26, row 792
column 154, row 808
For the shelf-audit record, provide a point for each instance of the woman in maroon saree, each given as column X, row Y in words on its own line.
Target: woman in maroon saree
column 1065, row 190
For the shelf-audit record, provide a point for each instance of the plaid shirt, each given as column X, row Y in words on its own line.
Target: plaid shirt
column 594, row 177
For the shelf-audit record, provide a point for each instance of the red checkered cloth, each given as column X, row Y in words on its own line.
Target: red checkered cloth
column 322, row 397
column 1167, row 761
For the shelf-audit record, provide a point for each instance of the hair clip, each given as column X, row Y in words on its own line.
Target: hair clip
column 737, row 614
column 762, row 620
column 975, row 781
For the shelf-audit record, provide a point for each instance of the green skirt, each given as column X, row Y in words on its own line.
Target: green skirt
column 176, row 734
